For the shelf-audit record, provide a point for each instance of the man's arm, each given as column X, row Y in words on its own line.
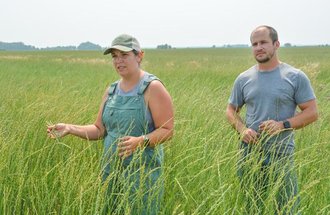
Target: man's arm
column 233, row 117
column 307, row 115
column 248, row 135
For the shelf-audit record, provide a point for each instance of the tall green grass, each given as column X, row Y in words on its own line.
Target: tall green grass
column 42, row 176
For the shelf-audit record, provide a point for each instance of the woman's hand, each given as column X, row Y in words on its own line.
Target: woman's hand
column 58, row 130
column 128, row 144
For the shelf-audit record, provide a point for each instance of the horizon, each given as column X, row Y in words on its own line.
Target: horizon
column 172, row 47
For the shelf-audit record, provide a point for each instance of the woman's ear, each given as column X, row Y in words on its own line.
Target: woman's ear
column 140, row 56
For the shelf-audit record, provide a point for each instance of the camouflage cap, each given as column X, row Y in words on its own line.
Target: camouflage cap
column 124, row 42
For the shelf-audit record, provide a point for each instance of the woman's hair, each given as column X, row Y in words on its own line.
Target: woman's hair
column 136, row 53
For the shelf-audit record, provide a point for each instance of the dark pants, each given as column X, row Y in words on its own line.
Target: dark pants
column 268, row 181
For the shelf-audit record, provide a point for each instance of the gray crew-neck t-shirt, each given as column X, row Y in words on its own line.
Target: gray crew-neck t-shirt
column 271, row 95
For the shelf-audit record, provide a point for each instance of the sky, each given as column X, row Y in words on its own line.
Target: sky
column 179, row 23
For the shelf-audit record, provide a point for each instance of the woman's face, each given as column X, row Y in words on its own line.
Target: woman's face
column 125, row 63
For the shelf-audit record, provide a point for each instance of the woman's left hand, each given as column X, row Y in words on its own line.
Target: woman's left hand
column 128, row 144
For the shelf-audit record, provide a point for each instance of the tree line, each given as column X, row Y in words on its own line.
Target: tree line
column 20, row 46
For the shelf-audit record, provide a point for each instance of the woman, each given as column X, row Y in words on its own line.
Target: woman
column 135, row 116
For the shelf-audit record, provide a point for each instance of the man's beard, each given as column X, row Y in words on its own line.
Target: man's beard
column 266, row 59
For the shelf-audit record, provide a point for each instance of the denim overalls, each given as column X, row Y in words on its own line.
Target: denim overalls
column 134, row 185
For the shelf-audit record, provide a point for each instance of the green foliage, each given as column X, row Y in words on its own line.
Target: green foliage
column 43, row 176
column 88, row 46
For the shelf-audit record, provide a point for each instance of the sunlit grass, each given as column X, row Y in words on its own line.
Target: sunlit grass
column 43, row 176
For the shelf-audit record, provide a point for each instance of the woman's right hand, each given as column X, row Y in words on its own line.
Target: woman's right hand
column 58, row 130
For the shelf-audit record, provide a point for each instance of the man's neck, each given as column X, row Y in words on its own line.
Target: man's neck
column 268, row 66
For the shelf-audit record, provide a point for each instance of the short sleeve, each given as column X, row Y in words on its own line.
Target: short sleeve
column 236, row 96
column 304, row 91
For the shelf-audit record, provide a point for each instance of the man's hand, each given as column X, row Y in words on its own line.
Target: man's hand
column 249, row 136
column 271, row 127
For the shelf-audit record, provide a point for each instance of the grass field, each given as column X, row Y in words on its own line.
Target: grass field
column 42, row 176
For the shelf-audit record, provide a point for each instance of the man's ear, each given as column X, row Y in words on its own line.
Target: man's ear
column 277, row 44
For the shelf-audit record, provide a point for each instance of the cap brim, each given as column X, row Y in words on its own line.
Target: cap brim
column 118, row 47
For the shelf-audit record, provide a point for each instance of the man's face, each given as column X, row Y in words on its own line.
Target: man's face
column 262, row 45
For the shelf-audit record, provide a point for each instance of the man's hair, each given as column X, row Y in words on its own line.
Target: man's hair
column 272, row 32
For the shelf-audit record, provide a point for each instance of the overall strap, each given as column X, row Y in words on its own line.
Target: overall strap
column 113, row 88
column 146, row 83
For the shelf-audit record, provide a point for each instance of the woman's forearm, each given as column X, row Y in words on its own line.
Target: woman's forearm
column 88, row 132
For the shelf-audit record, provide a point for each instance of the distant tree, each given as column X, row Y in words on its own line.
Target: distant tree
column 16, row 46
column 89, row 46
column 19, row 46
column 287, row 45
column 165, row 46
column 60, row 48
column 236, row 46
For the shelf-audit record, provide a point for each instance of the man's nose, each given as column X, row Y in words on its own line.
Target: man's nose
column 259, row 46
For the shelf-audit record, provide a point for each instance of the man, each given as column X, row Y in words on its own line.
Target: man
column 271, row 91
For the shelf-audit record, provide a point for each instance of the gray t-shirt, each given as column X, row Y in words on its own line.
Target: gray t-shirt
column 271, row 95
